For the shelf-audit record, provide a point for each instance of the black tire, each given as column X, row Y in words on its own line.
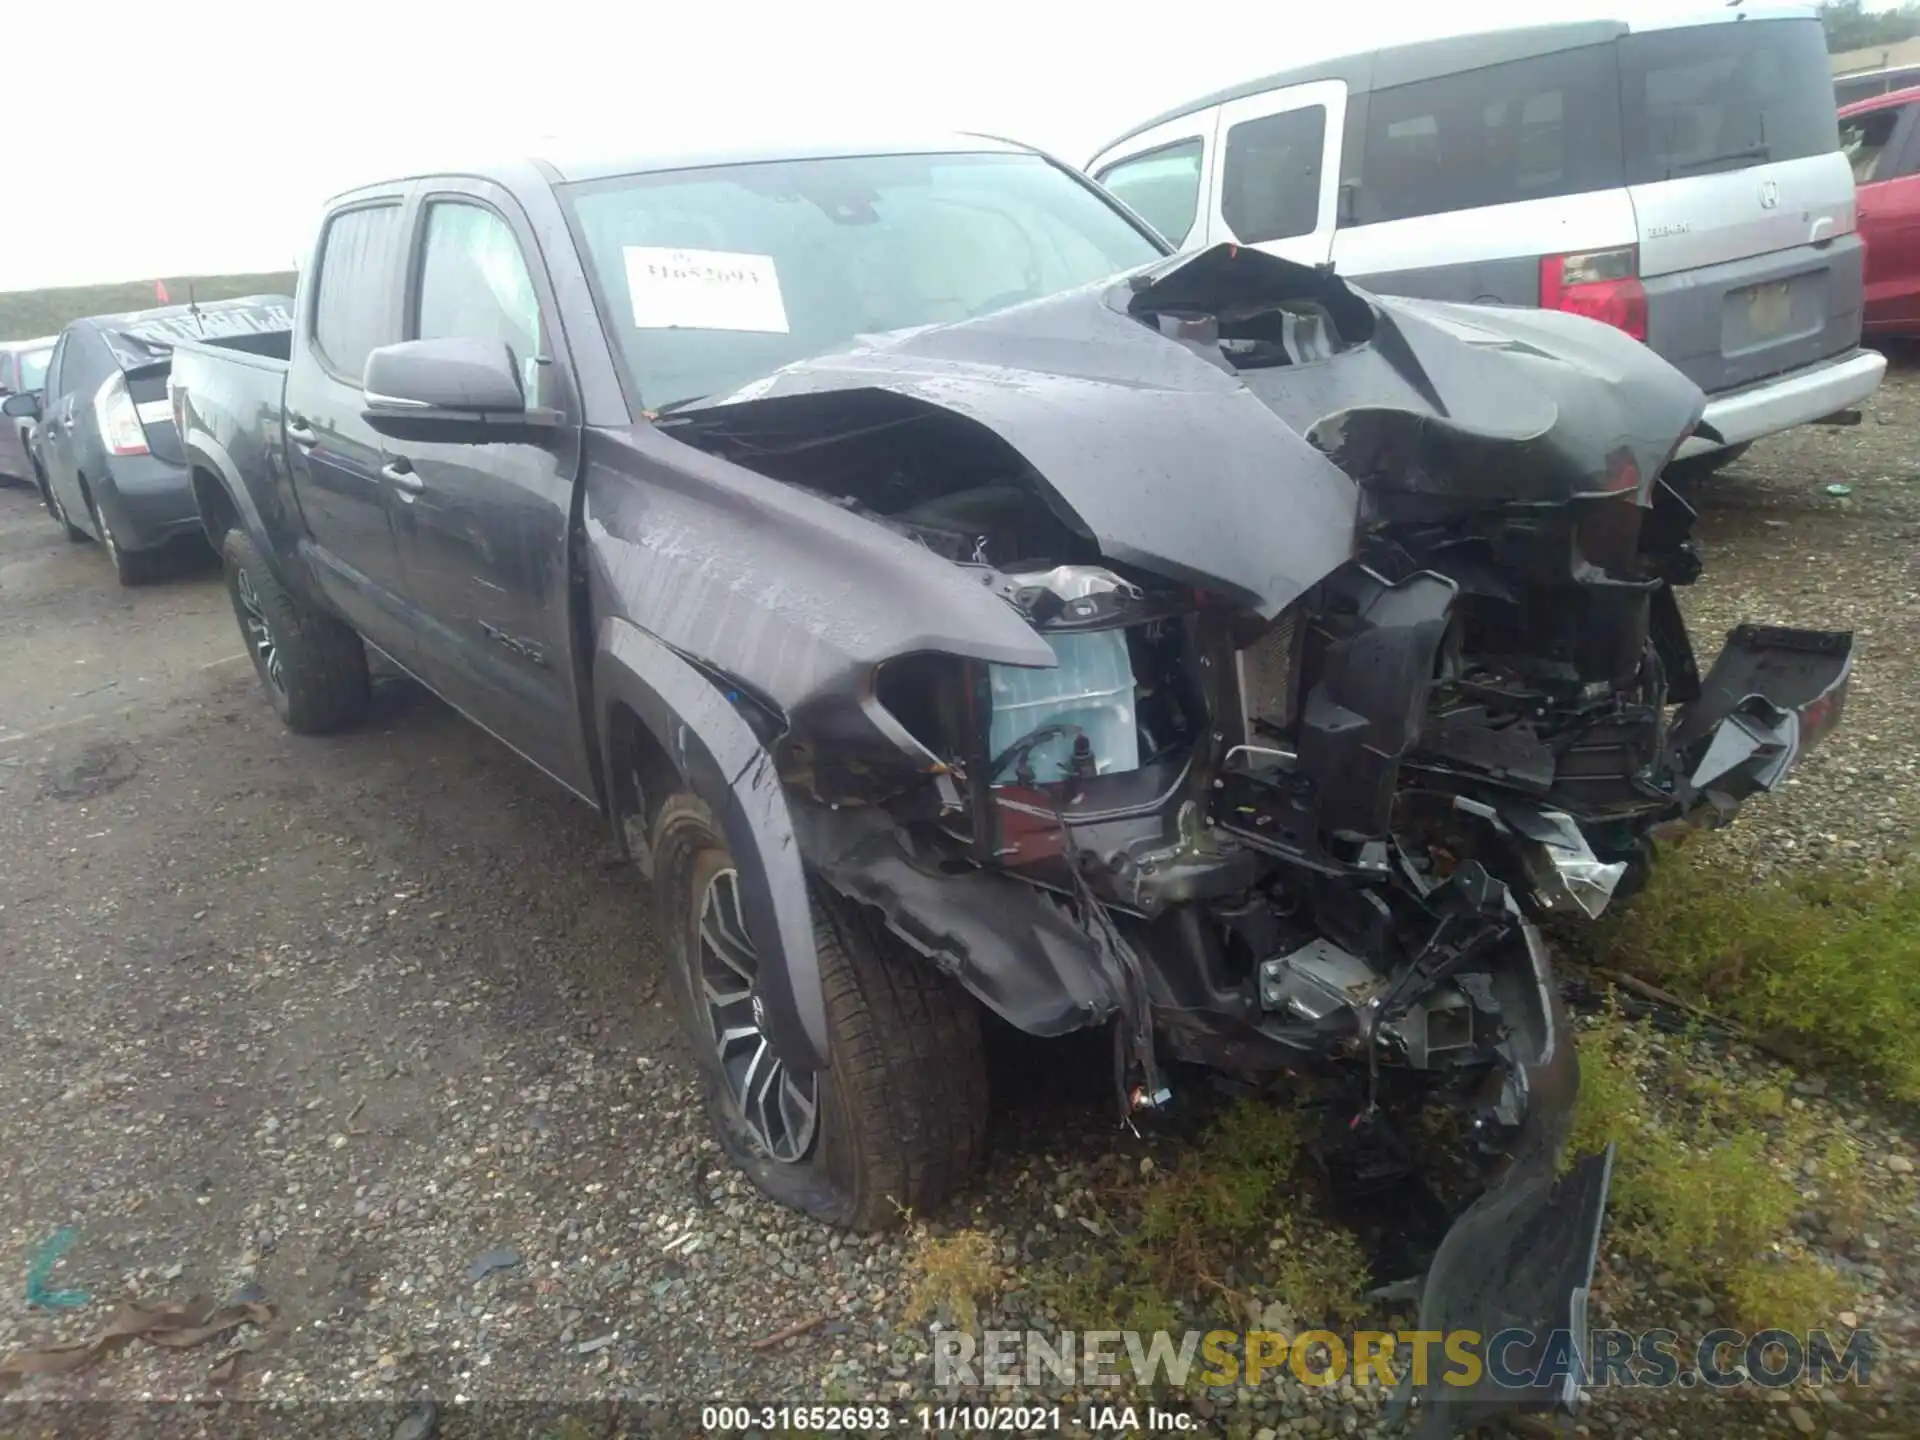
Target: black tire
column 46, row 490
column 1695, row 468
column 901, row 1111
column 312, row 665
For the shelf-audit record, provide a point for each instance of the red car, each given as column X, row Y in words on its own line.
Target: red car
column 1881, row 136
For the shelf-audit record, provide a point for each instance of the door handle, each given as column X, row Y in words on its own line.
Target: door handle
column 400, row 474
column 299, row 432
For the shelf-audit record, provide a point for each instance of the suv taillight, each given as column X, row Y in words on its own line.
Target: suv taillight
column 1600, row 284
column 120, row 426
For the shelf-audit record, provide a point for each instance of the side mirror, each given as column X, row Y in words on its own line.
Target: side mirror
column 24, row 406
column 459, row 392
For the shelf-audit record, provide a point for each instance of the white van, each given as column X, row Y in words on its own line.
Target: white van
column 1682, row 180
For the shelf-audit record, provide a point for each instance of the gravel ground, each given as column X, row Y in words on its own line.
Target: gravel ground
column 326, row 1023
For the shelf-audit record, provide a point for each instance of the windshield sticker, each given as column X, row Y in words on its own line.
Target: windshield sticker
column 704, row 290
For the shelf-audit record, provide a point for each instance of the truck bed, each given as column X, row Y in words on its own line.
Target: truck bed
column 226, row 394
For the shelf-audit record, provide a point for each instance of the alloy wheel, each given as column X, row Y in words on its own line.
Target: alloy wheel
column 259, row 632
column 781, row 1111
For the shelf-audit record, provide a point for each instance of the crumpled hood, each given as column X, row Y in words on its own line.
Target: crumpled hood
column 1243, row 479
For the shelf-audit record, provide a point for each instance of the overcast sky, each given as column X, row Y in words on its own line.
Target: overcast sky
column 200, row 136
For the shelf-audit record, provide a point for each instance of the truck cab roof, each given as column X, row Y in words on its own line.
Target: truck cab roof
column 569, row 165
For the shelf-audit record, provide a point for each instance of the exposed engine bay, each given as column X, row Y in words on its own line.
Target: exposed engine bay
column 1395, row 673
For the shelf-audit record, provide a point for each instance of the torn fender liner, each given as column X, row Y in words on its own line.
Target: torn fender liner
column 721, row 760
column 1520, row 1259
column 1516, row 1270
column 1012, row 946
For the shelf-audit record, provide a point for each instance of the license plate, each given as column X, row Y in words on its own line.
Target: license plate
column 1769, row 308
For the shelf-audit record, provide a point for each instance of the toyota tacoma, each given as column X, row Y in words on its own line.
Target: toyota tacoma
column 952, row 601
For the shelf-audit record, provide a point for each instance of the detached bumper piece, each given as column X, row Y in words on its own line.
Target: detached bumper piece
column 1772, row 694
column 1515, row 1270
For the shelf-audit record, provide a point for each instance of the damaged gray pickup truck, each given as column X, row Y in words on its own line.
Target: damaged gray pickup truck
column 951, row 600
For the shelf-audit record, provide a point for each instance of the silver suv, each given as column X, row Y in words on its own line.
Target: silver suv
column 1680, row 180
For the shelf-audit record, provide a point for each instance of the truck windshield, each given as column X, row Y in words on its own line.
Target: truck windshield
column 710, row 278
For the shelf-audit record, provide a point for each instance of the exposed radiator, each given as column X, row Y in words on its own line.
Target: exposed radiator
column 1265, row 670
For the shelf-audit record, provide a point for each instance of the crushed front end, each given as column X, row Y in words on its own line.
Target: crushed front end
column 1385, row 669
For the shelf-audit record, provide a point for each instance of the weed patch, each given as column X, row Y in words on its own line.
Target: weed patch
column 1231, row 1230
column 1698, row 1191
column 953, row 1276
column 1828, row 959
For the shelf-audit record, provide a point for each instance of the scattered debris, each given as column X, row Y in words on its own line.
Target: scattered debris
column 1839, row 491
column 419, row 1423
column 37, row 1292
column 226, row 1365
column 593, row 1347
column 788, row 1332
column 174, row 1327
column 493, row 1260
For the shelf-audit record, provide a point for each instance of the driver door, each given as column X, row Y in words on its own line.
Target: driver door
column 483, row 530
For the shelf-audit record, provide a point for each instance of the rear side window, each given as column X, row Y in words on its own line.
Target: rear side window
column 1531, row 129
column 1707, row 98
column 1270, row 189
column 79, row 365
column 55, row 368
column 474, row 284
column 1864, row 140
column 1161, row 186
column 350, row 310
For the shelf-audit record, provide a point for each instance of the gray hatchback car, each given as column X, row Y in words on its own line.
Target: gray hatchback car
column 104, row 439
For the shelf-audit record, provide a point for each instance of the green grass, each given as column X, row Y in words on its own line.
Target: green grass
column 1827, row 961
column 1707, row 1179
column 1234, row 1227
column 953, row 1276
column 28, row 314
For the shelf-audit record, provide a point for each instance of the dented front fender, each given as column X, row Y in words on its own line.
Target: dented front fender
column 722, row 761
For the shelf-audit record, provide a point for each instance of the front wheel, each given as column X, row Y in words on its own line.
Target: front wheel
column 46, row 490
column 312, row 665
column 898, row 1119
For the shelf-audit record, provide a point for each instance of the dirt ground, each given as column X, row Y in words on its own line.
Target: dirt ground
column 324, row 1022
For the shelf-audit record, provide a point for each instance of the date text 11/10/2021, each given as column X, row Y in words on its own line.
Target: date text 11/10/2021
column 947, row 1419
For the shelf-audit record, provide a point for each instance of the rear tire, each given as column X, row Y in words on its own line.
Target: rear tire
column 130, row 567
column 898, row 1120
column 312, row 665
